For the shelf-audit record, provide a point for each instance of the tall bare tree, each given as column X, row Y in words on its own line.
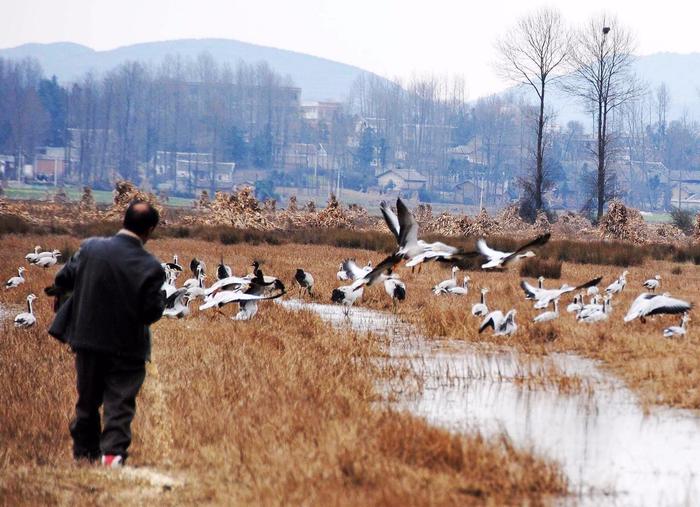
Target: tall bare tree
column 663, row 102
column 532, row 53
column 601, row 59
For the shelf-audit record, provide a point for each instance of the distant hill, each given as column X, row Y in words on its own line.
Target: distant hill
column 319, row 78
column 322, row 79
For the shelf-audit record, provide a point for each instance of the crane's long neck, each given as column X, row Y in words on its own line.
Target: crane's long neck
column 19, row 272
column 556, row 306
column 454, row 275
column 684, row 323
column 483, row 298
column 29, row 306
column 540, row 283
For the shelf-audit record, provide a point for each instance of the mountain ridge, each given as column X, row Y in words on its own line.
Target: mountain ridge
column 319, row 78
column 322, row 78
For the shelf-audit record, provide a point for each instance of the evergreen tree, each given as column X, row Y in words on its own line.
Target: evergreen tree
column 236, row 148
column 365, row 151
column 262, row 149
column 55, row 101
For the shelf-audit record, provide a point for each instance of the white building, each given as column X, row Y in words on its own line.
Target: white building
column 401, row 179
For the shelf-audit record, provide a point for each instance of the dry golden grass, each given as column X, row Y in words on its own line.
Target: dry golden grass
column 279, row 410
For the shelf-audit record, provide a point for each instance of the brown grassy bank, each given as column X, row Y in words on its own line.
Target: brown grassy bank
column 279, row 410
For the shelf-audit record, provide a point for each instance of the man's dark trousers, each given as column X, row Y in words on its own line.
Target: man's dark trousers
column 113, row 381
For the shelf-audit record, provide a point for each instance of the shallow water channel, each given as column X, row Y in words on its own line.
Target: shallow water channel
column 612, row 452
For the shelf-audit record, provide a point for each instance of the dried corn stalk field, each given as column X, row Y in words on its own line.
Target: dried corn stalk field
column 240, row 209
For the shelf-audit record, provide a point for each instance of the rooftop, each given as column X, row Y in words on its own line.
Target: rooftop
column 406, row 174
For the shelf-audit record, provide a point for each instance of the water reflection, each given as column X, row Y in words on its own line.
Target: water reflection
column 612, row 452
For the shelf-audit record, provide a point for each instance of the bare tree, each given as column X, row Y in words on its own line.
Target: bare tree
column 601, row 59
column 531, row 53
column 635, row 114
column 663, row 102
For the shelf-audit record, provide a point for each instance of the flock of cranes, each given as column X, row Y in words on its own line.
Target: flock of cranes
column 415, row 252
column 248, row 290
column 40, row 259
column 244, row 290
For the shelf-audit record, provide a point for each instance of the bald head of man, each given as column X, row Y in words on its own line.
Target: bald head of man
column 141, row 218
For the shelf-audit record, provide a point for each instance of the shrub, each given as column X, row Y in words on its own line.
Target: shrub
column 86, row 230
column 536, row 267
column 594, row 252
column 55, row 229
column 12, row 224
column 231, row 237
column 661, row 251
column 689, row 254
column 683, row 219
column 177, row 232
column 694, row 254
column 676, row 270
column 543, row 334
column 67, row 252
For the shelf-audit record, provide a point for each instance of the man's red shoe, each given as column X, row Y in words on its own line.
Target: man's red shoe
column 112, row 460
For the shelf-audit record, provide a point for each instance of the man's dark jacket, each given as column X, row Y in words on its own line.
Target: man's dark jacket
column 116, row 287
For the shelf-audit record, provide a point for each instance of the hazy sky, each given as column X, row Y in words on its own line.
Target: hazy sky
column 390, row 37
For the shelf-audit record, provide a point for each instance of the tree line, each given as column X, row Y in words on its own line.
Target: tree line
column 117, row 122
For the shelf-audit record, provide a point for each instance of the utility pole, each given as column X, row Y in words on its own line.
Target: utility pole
column 337, row 187
column 316, row 174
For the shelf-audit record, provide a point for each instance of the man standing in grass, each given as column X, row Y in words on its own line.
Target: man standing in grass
column 116, row 295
